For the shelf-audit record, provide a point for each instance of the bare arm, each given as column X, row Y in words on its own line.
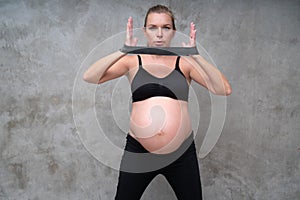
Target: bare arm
column 98, row 70
column 205, row 73
column 113, row 65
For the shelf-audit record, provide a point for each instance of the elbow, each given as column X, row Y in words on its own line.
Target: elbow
column 89, row 79
column 223, row 92
column 86, row 77
column 228, row 91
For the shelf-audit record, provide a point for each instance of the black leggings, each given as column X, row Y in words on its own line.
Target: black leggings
column 182, row 172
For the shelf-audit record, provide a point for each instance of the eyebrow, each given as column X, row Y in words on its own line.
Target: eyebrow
column 156, row 25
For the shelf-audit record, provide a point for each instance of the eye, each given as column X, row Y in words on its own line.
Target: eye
column 152, row 28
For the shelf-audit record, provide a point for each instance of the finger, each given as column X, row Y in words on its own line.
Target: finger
column 192, row 29
column 129, row 22
column 135, row 40
column 129, row 30
column 193, row 35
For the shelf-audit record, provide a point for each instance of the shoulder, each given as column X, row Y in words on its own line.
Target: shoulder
column 186, row 66
column 186, row 63
column 129, row 60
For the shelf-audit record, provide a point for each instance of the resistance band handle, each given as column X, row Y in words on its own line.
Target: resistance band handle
column 183, row 51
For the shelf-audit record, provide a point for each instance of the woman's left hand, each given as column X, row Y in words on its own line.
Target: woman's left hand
column 192, row 42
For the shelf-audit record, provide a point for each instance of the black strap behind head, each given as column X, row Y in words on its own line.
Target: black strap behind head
column 182, row 51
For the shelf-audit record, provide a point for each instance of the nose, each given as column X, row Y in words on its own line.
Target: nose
column 159, row 32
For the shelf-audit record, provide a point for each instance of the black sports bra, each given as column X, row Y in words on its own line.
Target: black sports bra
column 174, row 85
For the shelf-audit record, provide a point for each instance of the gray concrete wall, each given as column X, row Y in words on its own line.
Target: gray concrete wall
column 43, row 43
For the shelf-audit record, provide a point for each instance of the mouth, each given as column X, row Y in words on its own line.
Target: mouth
column 159, row 43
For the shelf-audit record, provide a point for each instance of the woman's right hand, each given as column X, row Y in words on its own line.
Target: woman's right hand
column 130, row 40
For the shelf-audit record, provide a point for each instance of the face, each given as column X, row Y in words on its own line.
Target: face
column 159, row 30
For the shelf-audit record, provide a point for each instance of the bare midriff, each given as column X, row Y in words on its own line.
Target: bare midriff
column 160, row 124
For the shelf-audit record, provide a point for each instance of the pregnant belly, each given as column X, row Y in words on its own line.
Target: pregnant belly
column 160, row 124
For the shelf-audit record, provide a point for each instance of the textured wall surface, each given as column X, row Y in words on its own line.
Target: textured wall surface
column 42, row 44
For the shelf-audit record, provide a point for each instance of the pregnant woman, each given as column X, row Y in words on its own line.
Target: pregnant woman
column 160, row 124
